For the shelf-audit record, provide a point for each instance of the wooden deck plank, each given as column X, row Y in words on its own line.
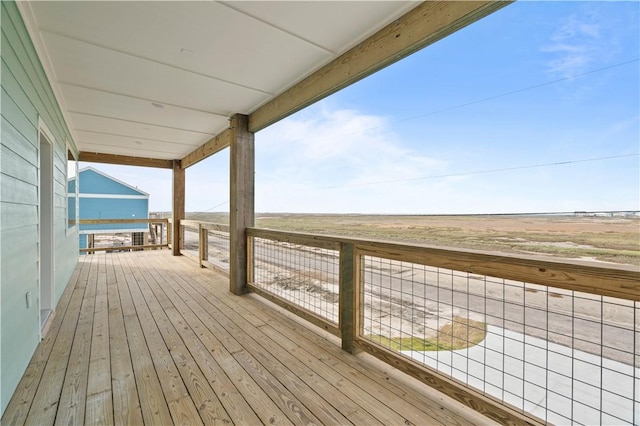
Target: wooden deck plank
column 126, row 404
column 146, row 338
column 18, row 408
column 218, row 364
column 99, row 409
column 45, row 402
column 352, row 396
column 170, row 381
column 208, row 405
column 153, row 404
column 300, row 381
column 71, row 408
column 99, row 398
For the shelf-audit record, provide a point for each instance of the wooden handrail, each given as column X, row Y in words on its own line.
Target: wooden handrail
column 144, row 247
column 210, row 226
column 621, row 281
column 164, row 222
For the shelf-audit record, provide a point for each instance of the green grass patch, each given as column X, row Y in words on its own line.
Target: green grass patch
column 461, row 333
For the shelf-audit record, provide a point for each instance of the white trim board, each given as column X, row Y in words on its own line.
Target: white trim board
column 125, row 196
column 112, row 231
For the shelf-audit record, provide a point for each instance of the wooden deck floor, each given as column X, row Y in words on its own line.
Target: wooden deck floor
column 147, row 338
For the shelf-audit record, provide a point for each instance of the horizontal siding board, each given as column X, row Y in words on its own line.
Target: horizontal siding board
column 60, row 202
column 17, row 68
column 16, row 117
column 60, row 179
column 14, row 165
column 19, row 40
column 15, row 141
column 17, row 191
column 16, row 92
column 18, row 274
column 16, row 216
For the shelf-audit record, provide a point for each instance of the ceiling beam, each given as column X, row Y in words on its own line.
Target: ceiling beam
column 213, row 145
column 125, row 160
column 427, row 23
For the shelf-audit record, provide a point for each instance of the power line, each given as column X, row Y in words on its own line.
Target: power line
column 477, row 172
column 215, row 207
column 513, row 92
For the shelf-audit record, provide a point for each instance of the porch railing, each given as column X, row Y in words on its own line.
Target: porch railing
column 207, row 241
column 123, row 240
column 520, row 339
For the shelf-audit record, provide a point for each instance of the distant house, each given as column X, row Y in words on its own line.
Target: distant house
column 104, row 197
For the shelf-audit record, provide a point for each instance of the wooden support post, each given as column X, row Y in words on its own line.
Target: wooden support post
column 178, row 206
column 203, row 245
column 241, row 214
column 349, row 297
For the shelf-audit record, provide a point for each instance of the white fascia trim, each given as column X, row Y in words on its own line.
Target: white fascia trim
column 126, row 196
column 112, row 231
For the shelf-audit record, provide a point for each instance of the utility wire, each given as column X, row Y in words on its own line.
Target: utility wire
column 513, row 92
column 215, row 207
column 535, row 86
column 477, row 172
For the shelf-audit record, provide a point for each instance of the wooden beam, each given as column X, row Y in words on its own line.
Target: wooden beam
column 124, row 160
column 424, row 25
column 241, row 214
column 178, row 206
column 213, row 145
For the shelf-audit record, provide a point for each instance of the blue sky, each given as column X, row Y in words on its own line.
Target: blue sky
column 535, row 83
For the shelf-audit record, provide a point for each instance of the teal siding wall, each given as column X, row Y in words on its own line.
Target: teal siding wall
column 112, row 208
column 92, row 182
column 26, row 98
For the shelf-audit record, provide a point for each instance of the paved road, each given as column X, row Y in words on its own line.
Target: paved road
column 577, row 386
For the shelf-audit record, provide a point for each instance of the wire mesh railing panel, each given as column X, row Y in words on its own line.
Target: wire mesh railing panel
column 219, row 249
column 191, row 242
column 306, row 276
column 562, row 356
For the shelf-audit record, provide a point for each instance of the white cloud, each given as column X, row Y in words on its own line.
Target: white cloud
column 337, row 161
column 579, row 44
column 356, row 148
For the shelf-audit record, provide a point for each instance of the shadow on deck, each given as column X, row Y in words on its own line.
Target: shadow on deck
column 148, row 338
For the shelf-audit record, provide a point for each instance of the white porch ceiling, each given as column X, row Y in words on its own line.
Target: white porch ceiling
column 198, row 62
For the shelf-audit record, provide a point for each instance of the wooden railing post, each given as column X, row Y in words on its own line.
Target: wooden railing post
column 178, row 207
column 349, row 297
column 203, row 244
column 241, row 213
